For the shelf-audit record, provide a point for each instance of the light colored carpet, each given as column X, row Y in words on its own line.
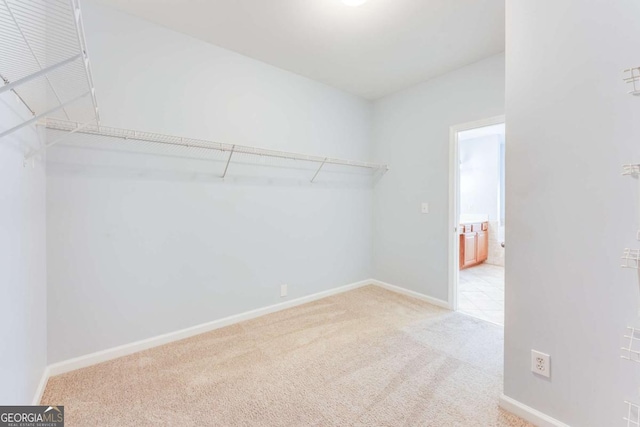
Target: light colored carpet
column 368, row 357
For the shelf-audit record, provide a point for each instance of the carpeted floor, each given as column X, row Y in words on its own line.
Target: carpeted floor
column 368, row 357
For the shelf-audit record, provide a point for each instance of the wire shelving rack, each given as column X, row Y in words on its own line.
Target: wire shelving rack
column 631, row 259
column 632, row 77
column 45, row 61
column 198, row 148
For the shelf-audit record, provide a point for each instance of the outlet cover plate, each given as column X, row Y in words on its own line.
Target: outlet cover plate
column 283, row 290
column 541, row 364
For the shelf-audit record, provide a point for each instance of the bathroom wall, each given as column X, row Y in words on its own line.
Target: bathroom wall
column 480, row 176
column 480, row 173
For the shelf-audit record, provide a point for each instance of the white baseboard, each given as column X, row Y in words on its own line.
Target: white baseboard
column 529, row 414
column 134, row 347
column 41, row 386
column 414, row 294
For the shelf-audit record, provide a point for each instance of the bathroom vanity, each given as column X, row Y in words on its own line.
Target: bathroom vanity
column 474, row 243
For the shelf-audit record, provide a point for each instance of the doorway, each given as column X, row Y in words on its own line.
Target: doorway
column 477, row 218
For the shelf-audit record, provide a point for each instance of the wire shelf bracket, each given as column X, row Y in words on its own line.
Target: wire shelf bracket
column 41, row 116
column 632, row 77
column 226, row 167
column 631, row 169
column 45, row 61
column 34, row 153
column 319, row 168
column 632, row 350
column 631, row 258
column 633, row 414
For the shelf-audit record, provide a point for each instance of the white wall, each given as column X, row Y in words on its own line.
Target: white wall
column 142, row 245
column 570, row 213
column 23, row 329
column 411, row 132
column 480, row 176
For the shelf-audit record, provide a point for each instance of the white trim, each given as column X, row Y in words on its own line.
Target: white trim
column 454, row 196
column 529, row 414
column 413, row 294
column 454, row 200
column 41, row 386
column 134, row 347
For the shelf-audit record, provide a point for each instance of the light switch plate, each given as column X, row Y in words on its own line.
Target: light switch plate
column 425, row 208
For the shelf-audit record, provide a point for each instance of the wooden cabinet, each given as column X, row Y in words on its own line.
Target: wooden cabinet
column 474, row 244
column 482, row 246
column 469, row 249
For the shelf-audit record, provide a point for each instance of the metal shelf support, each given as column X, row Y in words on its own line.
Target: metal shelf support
column 42, row 115
column 318, row 171
column 226, row 167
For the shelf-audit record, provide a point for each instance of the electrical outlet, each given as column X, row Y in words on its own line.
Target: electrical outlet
column 425, row 208
column 283, row 290
column 541, row 364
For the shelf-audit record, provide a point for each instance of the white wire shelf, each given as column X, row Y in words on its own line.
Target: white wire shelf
column 631, row 169
column 632, row 349
column 171, row 145
column 633, row 414
column 44, row 60
column 631, row 258
column 632, row 77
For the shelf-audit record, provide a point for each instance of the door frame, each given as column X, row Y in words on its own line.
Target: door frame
column 454, row 200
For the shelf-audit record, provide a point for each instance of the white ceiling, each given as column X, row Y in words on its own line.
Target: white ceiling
column 372, row 50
